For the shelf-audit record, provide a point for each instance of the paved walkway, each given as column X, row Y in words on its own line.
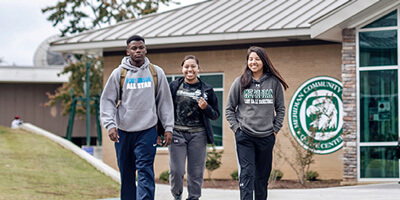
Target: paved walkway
column 383, row 191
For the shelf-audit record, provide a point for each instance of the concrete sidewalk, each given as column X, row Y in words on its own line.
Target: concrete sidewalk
column 383, row 191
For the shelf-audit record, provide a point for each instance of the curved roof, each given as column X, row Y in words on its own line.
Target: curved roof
column 210, row 22
column 44, row 57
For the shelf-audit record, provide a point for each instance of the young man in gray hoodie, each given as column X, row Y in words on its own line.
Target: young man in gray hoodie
column 131, row 124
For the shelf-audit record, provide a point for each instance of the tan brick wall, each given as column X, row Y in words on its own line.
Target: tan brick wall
column 296, row 64
column 108, row 151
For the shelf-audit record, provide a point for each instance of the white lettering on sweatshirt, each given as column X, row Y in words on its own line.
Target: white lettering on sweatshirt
column 138, row 83
column 257, row 96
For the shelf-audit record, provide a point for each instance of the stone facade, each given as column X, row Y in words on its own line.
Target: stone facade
column 349, row 106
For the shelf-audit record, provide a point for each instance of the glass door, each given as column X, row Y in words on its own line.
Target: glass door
column 378, row 102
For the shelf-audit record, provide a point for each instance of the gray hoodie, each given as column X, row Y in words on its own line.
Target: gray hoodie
column 139, row 107
column 252, row 110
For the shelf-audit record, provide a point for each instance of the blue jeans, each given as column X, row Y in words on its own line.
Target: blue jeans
column 136, row 151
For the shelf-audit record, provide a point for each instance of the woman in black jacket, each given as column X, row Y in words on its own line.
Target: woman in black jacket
column 195, row 103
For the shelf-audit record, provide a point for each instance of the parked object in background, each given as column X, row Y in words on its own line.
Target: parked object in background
column 16, row 122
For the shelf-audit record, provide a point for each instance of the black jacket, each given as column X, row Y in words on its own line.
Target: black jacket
column 211, row 112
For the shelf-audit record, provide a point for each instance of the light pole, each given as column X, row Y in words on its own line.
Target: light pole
column 87, row 91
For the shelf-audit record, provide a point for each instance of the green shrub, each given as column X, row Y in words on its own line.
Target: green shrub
column 312, row 175
column 164, row 176
column 276, row 174
column 235, row 175
column 213, row 160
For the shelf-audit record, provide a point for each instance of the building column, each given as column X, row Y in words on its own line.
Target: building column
column 349, row 106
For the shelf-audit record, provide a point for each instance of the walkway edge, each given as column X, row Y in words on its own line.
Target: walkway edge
column 98, row 164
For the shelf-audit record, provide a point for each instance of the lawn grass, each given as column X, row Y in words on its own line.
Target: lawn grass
column 34, row 167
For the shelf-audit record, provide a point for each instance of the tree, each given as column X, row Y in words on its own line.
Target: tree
column 75, row 85
column 301, row 160
column 75, row 16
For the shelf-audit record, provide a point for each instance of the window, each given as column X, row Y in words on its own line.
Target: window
column 378, row 106
column 379, row 162
column 216, row 81
column 378, row 72
column 378, row 48
column 388, row 20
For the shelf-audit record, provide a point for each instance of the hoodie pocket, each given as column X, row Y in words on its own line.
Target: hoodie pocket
column 139, row 119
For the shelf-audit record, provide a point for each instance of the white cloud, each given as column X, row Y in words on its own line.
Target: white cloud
column 23, row 27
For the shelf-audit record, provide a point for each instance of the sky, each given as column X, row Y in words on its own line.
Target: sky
column 23, row 27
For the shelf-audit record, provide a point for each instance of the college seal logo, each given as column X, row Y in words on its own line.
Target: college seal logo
column 315, row 115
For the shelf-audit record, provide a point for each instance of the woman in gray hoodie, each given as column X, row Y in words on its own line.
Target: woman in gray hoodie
column 255, row 110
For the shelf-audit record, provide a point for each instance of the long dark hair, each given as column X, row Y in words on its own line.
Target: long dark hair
column 245, row 78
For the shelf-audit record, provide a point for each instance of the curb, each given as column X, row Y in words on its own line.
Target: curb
column 98, row 164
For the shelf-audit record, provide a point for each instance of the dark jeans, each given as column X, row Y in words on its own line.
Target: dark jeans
column 255, row 160
column 136, row 151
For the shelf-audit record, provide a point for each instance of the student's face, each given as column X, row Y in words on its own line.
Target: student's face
column 137, row 51
column 254, row 63
column 190, row 69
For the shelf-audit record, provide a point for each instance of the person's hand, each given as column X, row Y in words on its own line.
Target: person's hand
column 202, row 103
column 159, row 140
column 113, row 135
column 275, row 135
column 167, row 138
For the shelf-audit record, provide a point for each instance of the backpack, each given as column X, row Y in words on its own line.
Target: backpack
column 153, row 71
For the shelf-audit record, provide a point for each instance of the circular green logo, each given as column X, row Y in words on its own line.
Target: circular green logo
column 315, row 115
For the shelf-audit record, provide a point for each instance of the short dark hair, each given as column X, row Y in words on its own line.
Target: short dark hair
column 134, row 38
